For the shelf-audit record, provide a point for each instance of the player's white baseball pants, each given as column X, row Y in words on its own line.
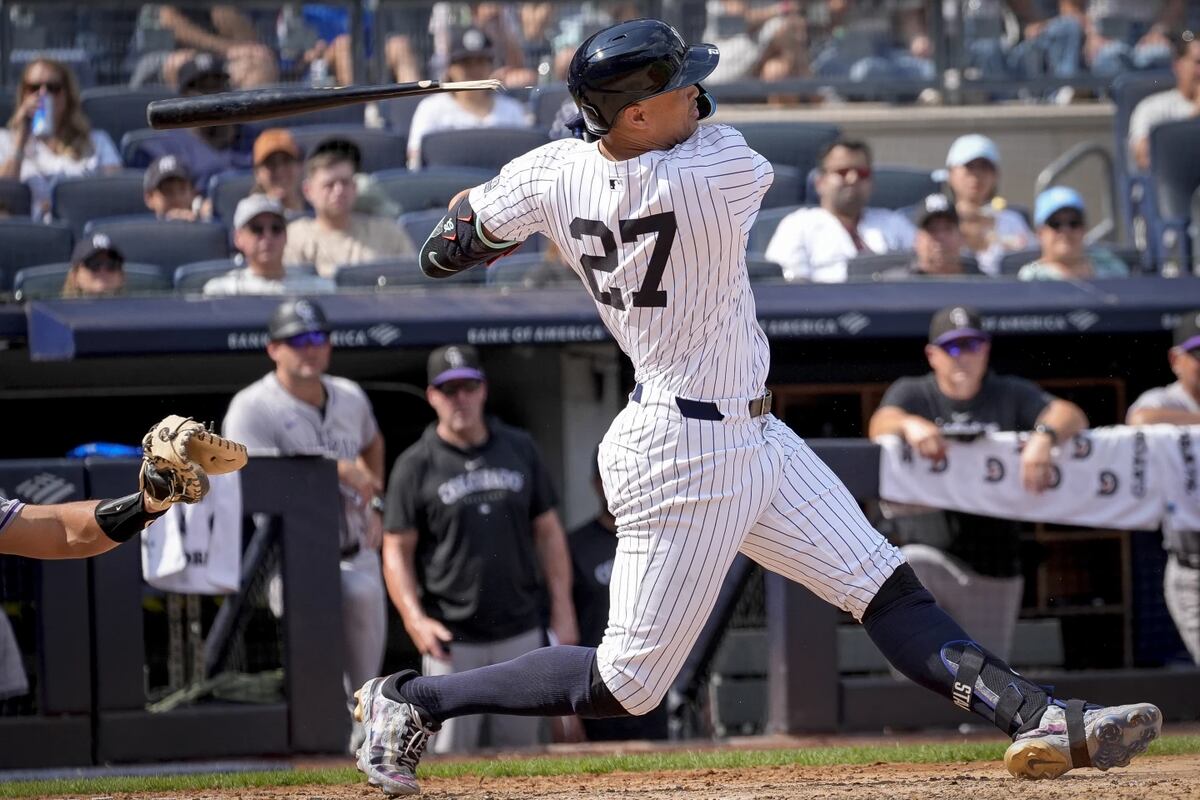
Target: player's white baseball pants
column 687, row 495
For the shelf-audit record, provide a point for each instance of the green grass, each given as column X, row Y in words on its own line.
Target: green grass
column 570, row 765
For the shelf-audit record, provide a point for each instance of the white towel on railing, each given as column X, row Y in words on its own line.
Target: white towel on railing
column 197, row 548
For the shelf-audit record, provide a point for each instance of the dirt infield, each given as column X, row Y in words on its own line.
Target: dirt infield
column 1161, row 778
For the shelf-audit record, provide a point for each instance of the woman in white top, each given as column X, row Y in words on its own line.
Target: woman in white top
column 67, row 149
column 989, row 229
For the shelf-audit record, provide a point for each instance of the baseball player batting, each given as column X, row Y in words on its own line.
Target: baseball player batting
column 654, row 217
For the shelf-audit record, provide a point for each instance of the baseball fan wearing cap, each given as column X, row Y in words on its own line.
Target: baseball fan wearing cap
column 988, row 227
column 1179, row 404
column 260, row 235
column 299, row 409
column 470, row 524
column 938, row 244
column 97, row 268
column 277, row 170
column 962, row 399
column 1061, row 219
column 472, row 57
column 168, row 189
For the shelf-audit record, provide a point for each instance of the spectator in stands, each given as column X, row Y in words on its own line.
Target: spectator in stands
column 868, row 40
column 337, row 235
column 989, row 229
column 209, row 150
column 758, row 41
column 169, row 191
column 813, row 244
column 593, row 547
column 169, row 36
column 474, row 492
column 278, row 168
column 500, row 24
column 1182, row 102
column 63, row 146
column 1061, row 219
column 1179, row 404
column 299, row 409
column 97, row 269
column 938, row 244
column 471, row 59
column 371, row 198
column 1130, row 34
column 260, row 234
column 970, row 563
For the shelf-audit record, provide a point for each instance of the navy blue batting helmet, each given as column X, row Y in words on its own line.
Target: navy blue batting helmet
column 632, row 61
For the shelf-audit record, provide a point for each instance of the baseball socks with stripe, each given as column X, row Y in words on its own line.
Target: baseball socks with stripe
column 1049, row 736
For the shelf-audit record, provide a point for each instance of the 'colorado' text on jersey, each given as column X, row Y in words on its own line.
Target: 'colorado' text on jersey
column 660, row 240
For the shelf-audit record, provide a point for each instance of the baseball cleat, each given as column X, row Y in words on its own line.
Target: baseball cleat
column 1113, row 736
column 394, row 740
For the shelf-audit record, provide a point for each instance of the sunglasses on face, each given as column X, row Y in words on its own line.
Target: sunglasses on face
column 956, row 347
column 53, row 87
column 451, row 388
column 274, row 228
column 1065, row 223
column 859, row 173
column 102, row 264
column 310, row 339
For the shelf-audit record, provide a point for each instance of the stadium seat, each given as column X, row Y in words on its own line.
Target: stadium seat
column 76, row 201
column 393, row 274
column 893, row 187
column 397, row 113
column 760, row 269
column 1127, row 90
column 866, row 267
column 786, row 190
column 120, row 109
column 797, row 144
column 190, row 278
column 8, row 100
column 24, row 243
column 46, row 280
column 166, row 243
column 1175, row 172
column 15, row 200
column 380, row 149
column 764, row 227
column 484, row 148
column 419, row 224
column 429, row 188
column 131, row 145
column 530, row 271
column 1012, row 262
column 544, row 103
column 226, row 190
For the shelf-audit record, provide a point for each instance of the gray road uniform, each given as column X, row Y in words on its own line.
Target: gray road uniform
column 267, row 418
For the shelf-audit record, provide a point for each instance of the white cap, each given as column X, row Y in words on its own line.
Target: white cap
column 970, row 147
column 253, row 205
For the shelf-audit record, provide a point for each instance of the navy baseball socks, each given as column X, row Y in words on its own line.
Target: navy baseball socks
column 1049, row 736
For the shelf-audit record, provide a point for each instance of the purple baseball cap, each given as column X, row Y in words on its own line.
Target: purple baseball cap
column 454, row 362
column 1187, row 332
column 956, row 322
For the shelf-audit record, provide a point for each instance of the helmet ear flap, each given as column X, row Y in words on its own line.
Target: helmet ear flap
column 706, row 104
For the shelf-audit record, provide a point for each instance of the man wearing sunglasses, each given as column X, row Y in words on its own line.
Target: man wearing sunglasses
column 813, row 244
column 1179, row 404
column 971, row 563
column 470, row 523
column 1061, row 220
column 299, row 409
column 260, row 235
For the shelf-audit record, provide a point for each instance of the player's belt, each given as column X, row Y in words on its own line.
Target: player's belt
column 702, row 409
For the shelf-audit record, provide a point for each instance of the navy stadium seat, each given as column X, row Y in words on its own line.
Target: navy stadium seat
column 226, row 190
column 25, row 243
column 485, row 148
column 764, row 227
column 796, row 144
column 545, row 102
column 76, row 201
column 166, row 243
column 118, row 110
column 380, row 149
column 398, row 112
column 192, row 277
column 1011, row 263
column 787, row 189
column 760, row 269
column 46, row 280
column 1127, row 90
column 529, row 270
column 15, row 200
column 393, row 274
column 419, row 224
column 867, row 266
column 1175, row 172
column 429, row 188
column 133, row 154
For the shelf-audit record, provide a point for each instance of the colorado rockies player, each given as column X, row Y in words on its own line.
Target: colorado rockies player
column 654, row 219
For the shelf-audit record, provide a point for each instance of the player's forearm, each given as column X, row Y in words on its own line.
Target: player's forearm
column 66, row 530
column 1066, row 418
column 888, row 420
column 372, row 457
column 400, row 574
column 1163, row 416
column 550, row 542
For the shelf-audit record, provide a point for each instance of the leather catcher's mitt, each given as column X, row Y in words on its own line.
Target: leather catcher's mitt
column 178, row 455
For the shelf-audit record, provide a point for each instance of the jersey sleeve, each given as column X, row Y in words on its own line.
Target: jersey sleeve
column 245, row 423
column 9, row 510
column 400, row 507
column 511, row 205
column 735, row 171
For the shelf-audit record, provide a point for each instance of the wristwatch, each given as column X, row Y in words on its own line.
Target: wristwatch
column 1042, row 427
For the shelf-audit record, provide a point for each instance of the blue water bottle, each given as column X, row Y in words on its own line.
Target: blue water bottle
column 43, row 118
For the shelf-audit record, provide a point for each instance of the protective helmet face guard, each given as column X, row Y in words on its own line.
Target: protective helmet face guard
column 633, row 61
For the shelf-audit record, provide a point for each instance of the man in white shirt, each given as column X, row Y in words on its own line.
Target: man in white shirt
column 260, row 234
column 471, row 59
column 813, row 244
column 338, row 236
column 1181, row 102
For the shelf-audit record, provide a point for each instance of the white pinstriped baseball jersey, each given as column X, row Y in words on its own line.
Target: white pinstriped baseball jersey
column 660, row 240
